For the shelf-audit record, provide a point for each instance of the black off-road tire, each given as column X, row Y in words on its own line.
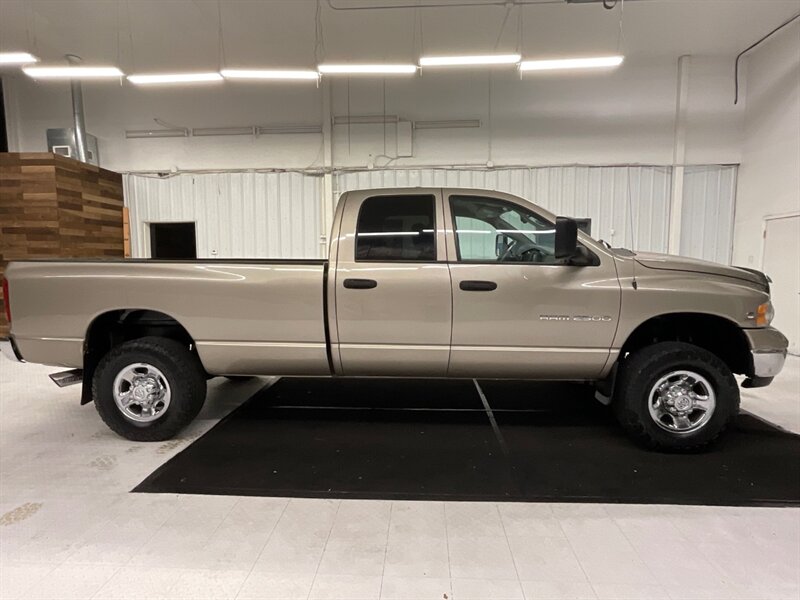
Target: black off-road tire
column 184, row 374
column 640, row 371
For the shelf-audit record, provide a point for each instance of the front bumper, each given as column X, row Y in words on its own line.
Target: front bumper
column 9, row 349
column 768, row 363
column 768, row 350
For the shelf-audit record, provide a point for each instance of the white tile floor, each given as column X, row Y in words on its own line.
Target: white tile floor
column 69, row 528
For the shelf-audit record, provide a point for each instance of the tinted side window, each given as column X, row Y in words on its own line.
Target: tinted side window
column 396, row 228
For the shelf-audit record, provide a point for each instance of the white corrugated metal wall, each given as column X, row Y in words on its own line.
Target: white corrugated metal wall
column 709, row 194
column 237, row 215
column 600, row 193
column 278, row 214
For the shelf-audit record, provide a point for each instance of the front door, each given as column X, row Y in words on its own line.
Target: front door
column 518, row 312
column 392, row 289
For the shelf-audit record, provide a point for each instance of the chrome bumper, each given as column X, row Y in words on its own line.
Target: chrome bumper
column 9, row 350
column 768, row 363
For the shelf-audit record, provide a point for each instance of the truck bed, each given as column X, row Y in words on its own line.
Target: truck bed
column 242, row 313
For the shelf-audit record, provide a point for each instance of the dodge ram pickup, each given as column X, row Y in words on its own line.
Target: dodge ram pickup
column 422, row 282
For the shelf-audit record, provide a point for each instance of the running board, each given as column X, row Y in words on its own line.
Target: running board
column 65, row 378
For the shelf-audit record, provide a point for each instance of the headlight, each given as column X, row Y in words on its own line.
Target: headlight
column 763, row 314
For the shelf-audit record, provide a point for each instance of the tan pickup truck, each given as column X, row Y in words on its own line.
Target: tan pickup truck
column 422, row 282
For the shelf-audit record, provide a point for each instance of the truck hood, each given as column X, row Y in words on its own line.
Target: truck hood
column 669, row 262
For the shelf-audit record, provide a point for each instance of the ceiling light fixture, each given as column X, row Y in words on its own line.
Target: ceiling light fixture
column 448, row 124
column 174, row 78
column 288, row 129
column 271, row 74
column 209, row 131
column 365, row 119
column 132, row 134
column 17, row 58
column 71, row 72
column 367, row 69
column 469, row 61
column 571, row 63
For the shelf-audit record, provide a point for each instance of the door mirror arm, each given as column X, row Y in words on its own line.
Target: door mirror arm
column 582, row 258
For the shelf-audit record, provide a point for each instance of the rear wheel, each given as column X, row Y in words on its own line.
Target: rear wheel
column 675, row 396
column 149, row 389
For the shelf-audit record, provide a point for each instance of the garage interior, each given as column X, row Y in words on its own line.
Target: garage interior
column 685, row 140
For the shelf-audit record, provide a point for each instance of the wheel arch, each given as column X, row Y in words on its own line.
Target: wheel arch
column 113, row 327
column 720, row 336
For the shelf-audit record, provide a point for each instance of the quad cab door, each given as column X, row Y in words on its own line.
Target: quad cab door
column 391, row 286
column 517, row 310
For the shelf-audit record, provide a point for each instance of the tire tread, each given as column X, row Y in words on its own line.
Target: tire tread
column 187, row 401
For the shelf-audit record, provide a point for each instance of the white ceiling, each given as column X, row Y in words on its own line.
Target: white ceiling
column 155, row 35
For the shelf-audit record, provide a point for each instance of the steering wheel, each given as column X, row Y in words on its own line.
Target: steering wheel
column 517, row 251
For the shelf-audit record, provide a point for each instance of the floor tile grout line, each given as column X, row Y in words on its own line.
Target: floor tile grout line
column 386, row 548
column 508, row 543
column 447, row 543
column 269, row 537
column 324, row 548
column 646, row 566
column 114, row 574
column 151, row 537
column 572, row 549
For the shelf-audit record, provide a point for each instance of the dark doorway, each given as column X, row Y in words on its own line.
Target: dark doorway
column 173, row 241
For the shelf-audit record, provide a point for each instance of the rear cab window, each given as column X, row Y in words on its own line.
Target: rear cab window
column 396, row 228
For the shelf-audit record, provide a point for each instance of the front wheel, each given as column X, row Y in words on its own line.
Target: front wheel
column 148, row 389
column 675, row 396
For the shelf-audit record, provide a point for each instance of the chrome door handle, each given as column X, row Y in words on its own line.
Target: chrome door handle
column 360, row 284
column 477, row 286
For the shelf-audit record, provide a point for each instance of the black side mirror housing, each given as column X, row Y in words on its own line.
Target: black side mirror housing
column 566, row 243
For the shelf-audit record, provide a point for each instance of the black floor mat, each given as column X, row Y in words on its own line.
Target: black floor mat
column 433, row 439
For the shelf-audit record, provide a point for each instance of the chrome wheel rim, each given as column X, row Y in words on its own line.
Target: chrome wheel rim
column 682, row 402
column 142, row 393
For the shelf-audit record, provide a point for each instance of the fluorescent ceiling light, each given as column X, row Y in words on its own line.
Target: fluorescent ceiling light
column 465, row 61
column 367, row 69
column 174, row 78
column 448, row 124
column 71, row 72
column 288, row 129
column 156, row 133
column 571, row 63
column 17, row 58
column 206, row 131
column 365, row 119
column 276, row 74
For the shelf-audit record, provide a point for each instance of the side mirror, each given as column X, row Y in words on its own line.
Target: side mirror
column 501, row 244
column 566, row 244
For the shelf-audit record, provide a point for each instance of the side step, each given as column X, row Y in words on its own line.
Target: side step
column 65, row 378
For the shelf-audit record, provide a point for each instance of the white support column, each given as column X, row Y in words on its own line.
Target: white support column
column 679, row 155
column 12, row 116
column 327, row 200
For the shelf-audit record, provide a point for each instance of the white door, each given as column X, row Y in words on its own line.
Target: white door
column 781, row 253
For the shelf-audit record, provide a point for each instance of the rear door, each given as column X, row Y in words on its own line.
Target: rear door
column 516, row 311
column 393, row 305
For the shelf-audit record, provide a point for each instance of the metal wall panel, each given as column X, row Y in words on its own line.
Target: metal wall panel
column 277, row 215
column 600, row 193
column 237, row 215
column 709, row 198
